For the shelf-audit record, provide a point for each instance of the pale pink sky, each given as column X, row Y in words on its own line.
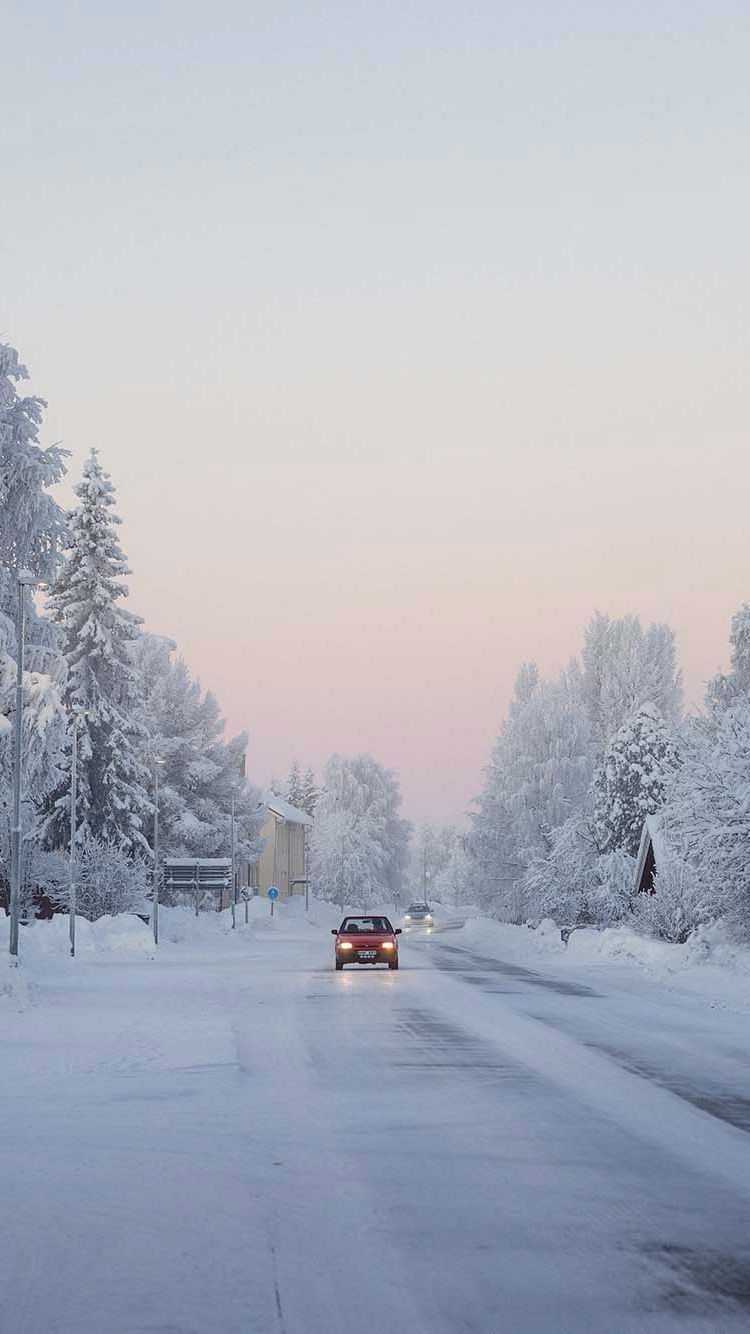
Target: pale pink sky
column 408, row 344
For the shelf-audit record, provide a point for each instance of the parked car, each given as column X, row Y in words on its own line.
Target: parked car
column 418, row 914
column 366, row 939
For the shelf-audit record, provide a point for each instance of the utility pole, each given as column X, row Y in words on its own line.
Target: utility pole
column 25, row 580
column 157, row 869
column 73, row 804
column 234, row 873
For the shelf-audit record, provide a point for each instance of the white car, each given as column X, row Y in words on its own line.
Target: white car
column 418, row 914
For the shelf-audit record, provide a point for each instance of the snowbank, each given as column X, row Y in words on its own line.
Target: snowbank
column 710, row 962
column 124, row 933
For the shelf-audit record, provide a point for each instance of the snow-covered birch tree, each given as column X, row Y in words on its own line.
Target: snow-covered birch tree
column 32, row 527
column 359, row 843
column 202, row 770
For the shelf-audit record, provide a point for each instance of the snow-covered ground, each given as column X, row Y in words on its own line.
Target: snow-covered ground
column 504, row 1135
column 709, row 964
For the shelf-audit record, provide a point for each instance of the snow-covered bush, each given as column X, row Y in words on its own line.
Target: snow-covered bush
column 109, row 880
column 612, row 897
column 560, row 884
column 678, row 905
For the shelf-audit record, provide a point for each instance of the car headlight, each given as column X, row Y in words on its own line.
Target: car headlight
column 387, row 945
column 428, row 918
column 407, row 917
column 344, row 945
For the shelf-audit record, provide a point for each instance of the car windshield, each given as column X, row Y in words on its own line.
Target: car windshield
column 362, row 925
column 418, row 907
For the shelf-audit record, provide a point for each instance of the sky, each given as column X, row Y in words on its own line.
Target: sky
column 410, row 333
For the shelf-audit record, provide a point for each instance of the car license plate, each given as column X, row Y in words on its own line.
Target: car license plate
column 368, row 954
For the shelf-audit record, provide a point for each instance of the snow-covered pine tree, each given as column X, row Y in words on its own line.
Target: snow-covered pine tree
column 294, row 788
column 631, row 781
column 310, row 792
column 101, row 686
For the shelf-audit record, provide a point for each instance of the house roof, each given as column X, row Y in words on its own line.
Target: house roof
column 283, row 810
column 651, row 836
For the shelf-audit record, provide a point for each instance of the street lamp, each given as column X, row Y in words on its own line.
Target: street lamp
column 25, row 580
column 73, row 804
column 157, row 762
column 234, row 873
column 76, row 717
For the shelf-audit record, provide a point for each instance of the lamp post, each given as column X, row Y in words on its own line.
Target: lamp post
column 157, row 870
column 73, row 804
column 234, row 874
column 25, row 580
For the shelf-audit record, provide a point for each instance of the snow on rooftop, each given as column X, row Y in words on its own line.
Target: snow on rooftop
column 284, row 810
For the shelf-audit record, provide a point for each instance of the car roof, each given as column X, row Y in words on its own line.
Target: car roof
column 364, row 917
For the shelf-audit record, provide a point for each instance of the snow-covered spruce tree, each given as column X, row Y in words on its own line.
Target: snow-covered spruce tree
column 32, row 528
column 631, row 781
column 201, row 770
column 359, row 843
column 309, row 795
column 294, row 790
column 101, row 685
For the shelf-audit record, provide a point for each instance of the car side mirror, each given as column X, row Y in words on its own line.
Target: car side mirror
column 334, row 930
column 397, row 932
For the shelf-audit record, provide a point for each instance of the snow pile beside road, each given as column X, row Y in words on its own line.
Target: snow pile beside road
column 122, row 934
column 43, row 941
column 710, row 962
column 709, row 946
column 46, row 942
column 512, row 942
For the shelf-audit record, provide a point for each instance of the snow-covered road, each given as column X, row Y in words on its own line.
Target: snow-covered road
column 235, row 1138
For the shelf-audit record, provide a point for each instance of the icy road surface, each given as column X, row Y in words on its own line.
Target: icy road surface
column 235, row 1138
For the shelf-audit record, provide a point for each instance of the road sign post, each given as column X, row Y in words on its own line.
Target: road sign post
column 273, row 894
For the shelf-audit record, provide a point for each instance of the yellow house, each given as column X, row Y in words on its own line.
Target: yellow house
column 284, row 856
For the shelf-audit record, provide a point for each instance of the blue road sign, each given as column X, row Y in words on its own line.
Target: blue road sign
column 273, row 893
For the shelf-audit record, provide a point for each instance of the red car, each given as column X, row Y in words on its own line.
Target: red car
column 366, row 939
